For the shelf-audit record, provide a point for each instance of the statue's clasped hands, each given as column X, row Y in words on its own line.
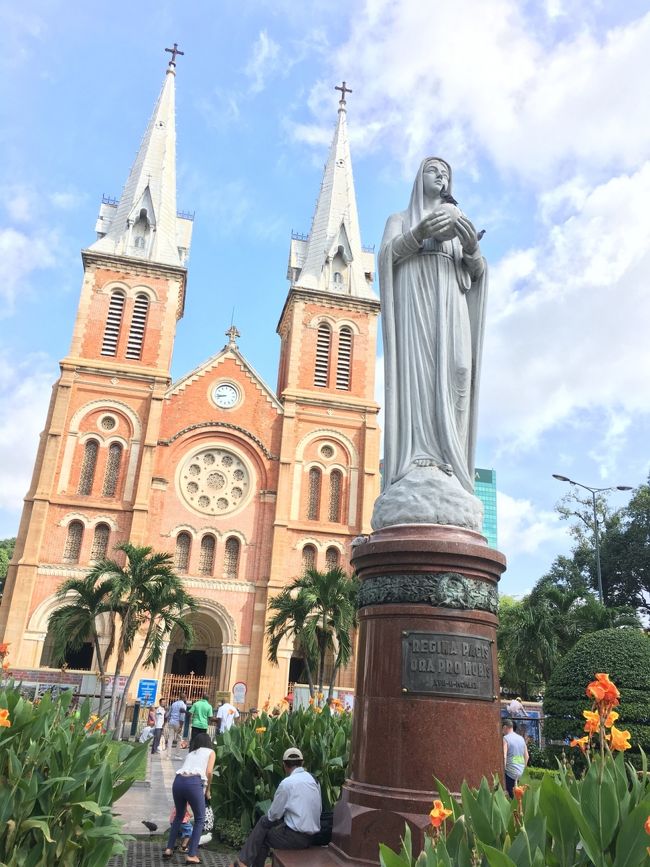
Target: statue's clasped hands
column 441, row 225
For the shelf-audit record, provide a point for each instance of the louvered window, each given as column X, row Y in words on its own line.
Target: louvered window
column 112, row 470
column 231, row 557
column 313, row 499
column 332, row 558
column 113, row 323
column 88, row 465
column 323, row 346
column 344, row 359
column 138, row 322
column 182, row 557
column 308, row 558
column 73, row 542
column 100, row 542
column 336, row 483
column 206, row 560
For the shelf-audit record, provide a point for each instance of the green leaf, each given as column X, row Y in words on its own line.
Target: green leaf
column 480, row 822
column 559, row 822
column 632, row 837
column 599, row 803
column 91, row 806
column 496, row 858
column 388, row 858
column 39, row 825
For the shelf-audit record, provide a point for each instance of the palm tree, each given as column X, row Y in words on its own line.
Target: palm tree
column 317, row 610
column 74, row 622
column 148, row 596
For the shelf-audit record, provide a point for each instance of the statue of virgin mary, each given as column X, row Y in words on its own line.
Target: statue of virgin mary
column 433, row 285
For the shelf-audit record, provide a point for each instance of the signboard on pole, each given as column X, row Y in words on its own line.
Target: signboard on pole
column 147, row 690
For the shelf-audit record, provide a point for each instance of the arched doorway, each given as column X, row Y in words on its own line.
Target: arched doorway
column 195, row 670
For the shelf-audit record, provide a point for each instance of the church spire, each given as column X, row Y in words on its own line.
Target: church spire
column 331, row 258
column 144, row 224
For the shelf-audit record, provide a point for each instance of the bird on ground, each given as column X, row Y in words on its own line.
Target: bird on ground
column 151, row 826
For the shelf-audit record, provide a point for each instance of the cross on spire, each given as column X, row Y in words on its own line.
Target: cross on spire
column 232, row 334
column 174, row 51
column 343, row 90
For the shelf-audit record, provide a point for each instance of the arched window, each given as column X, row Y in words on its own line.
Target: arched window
column 100, row 542
column 336, row 484
column 73, row 542
column 206, row 560
column 332, row 558
column 112, row 470
column 313, row 501
column 87, row 476
column 138, row 242
column 338, row 277
column 138, row 322
column 113, row 323
column 231, row 557
column 323, row 346
column 345, row 359
column 308, row 558
column 182, row 557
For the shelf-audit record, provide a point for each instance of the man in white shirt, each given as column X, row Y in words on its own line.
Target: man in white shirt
column 293, row 817
column 227, row 714
column 159, row 724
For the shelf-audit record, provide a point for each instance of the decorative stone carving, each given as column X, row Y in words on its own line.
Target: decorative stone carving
column 214, row 481
column 441, row 589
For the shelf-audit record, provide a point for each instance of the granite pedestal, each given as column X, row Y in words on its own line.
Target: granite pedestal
column 426, row 701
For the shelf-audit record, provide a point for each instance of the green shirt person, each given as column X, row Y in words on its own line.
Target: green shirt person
column 201, row 711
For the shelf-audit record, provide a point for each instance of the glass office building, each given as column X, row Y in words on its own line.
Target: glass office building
column 485, row 488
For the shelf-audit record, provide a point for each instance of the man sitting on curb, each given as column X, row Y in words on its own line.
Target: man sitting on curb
column 293, row 817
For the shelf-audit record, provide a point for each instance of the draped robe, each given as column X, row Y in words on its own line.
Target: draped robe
column 433, row 310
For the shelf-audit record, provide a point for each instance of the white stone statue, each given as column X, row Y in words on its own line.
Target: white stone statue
column 433, row 284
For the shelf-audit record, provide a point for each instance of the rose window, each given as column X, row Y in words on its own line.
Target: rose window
column 214, row 481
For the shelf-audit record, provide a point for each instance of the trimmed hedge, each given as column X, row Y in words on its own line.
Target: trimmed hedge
column 625, row 655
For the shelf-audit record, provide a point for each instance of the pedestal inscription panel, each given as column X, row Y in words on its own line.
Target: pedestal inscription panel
column 451, row 664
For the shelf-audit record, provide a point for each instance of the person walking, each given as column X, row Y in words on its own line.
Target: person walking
column 226, row 715
column 515, row 755
column 176, row 718
column 293, row 817
column 192, row 786
column 159, row 724
column 200, row 712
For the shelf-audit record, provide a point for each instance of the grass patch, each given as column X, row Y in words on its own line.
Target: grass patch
column 113, row 757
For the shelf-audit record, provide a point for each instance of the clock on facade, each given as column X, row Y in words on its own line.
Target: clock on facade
column 225, row 395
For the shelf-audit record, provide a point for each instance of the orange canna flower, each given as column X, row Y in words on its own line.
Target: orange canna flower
column 311, row 699
column 318, row 710
column 5, row 665
column 603, row 690
column 520, row 790
column 580, row 742
column 4, row 718
column 260, row 730
column 593, row 721
column 647, row 825
column 612, row 716
column 4, row 648
column 619, row 740
column 438, row 814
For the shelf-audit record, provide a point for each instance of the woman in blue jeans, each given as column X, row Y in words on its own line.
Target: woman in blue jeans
column 192, row 786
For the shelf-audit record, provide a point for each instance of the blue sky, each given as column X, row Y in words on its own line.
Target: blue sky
column 540, row 107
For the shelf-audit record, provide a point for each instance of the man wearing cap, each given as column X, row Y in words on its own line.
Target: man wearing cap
column 293, row 817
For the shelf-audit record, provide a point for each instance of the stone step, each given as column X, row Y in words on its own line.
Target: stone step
column 315, row 856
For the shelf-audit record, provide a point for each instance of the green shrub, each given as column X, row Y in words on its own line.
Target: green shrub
column 540, row 758
column 625, row 655
column 249, row 760
column 229, row 831
column 532, row 773
column 57, row 785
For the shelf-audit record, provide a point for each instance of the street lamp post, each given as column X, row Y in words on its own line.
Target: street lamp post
column 593, row 492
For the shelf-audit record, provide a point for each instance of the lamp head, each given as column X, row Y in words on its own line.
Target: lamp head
column 624, row 488
column 561, row 478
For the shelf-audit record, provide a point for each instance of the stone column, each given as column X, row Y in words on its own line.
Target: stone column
column 426, row 703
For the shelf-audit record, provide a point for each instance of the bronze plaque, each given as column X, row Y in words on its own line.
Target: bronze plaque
column 446, row 663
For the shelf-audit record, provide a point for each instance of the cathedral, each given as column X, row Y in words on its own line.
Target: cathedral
column 245, row 486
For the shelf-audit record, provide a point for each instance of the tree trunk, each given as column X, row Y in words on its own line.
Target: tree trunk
column 101, row 668
column 335, row 671
column 310, row 679
column 121, row 708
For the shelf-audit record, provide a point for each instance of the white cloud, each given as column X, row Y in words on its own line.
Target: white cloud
column 264, row 62
column 486, row 76
column 67, row 200
column 524, row 529
column 25, row 389
column 22, row 254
